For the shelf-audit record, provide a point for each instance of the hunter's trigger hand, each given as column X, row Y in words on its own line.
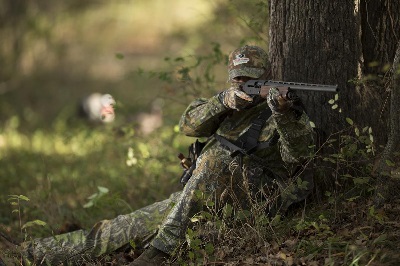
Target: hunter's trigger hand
column 278, row 103
column 236, row 99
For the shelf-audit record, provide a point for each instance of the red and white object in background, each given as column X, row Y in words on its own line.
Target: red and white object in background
column 99, row 107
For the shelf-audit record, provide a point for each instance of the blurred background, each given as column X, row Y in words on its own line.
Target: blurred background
column 152, row 56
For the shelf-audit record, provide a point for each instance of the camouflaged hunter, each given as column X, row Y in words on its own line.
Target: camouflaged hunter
column 262, row 172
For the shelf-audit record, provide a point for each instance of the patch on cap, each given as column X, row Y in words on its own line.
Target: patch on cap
column 240, row 59
column 249, row 60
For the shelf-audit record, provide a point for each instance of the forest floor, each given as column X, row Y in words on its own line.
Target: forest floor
column 345, row 233
column 353, row 233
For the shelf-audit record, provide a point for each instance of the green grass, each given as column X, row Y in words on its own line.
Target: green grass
column 59, row 169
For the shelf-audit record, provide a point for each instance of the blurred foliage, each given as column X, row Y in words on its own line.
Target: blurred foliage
column 61, row 51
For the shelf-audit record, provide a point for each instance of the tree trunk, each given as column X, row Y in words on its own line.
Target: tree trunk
column 380, row 22
column 380, row 32
column 319, row 41
column 335, row 42
column 387, row 186
column 316, row 41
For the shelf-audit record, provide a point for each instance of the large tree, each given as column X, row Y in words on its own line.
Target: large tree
column 310, row 42
column 349, row 43
column 336, row 42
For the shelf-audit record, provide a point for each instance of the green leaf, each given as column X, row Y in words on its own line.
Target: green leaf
column 12, row 197
column 103, row 190
column 132, row 244
column 361, row 180
column 335, row 106
column 389, row 163
column 18, row 197
column 194, row 219
column 33, row 223
column 227, row 210
column 189, row 234
column 276, row 220
column 352, row 198
column 336, row 96
column 191, row 255
column 243, row 214
column 195, row 243
column 209, row 248
column 357, row 131
column 331, row 101
column 22, row 197
column 198, row 194
column 210, row 203
column 329, row 160
column 372, row 210
column 348, row 120
column 93, row 196
column 312, row 124
column 88, row 205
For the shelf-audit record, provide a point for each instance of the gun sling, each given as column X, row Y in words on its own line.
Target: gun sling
column 248, row 143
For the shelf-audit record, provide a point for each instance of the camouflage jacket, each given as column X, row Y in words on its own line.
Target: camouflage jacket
column 204, row 117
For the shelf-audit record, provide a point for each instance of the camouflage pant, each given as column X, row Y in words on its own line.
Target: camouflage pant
column 217, row 178
column 204, row 181
column 105, row 236
column 221, row 179
column 169, row 218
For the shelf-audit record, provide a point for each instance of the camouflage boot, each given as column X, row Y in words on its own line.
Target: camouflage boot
column 151, row 257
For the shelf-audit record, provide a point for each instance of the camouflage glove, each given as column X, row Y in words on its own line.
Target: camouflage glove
column 236, row 99
column 277, row 103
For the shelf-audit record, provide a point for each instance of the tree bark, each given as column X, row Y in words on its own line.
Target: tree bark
column 333, row 43
column 380, row 32
column 379, row 28
column 337, row 42
column 316, row 41
column 386, row 184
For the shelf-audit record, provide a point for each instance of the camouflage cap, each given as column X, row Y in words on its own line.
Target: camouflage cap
column 248, row 61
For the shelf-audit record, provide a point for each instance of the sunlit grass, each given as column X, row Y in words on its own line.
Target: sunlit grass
column 77, row 143
column 60, row 169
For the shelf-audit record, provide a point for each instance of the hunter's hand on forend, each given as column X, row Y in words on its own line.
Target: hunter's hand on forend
column 278, row 103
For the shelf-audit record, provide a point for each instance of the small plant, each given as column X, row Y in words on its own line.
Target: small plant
column 16, row 202
column 351, row 157
column 94, row 198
